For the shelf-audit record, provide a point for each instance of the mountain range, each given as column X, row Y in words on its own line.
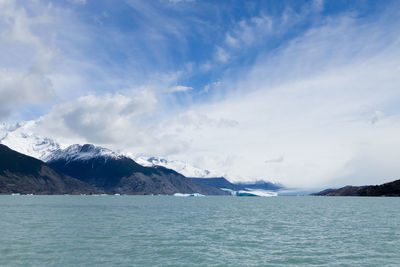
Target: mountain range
column 88, row 169
column 74, row 161
column 26, row 175
column 218, row 182
column 115, row 173
column 42, row 167
column 22, row 138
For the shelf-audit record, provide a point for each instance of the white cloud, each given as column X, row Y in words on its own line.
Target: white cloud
column 81, row 2
column 275, row 160
column 247, row 32
column 181, row 1
column 20, row 88
column 376, row 117
column 205, row 66
column 102, row 120
column 49, row 41
column 301, row 116
column 317, row 5
column 313, row 106
column 231, row 41
column 321, row 110
column 27, row 83
column 221, row 55
column 180, row 88
column 307, row 104
column 211, row 87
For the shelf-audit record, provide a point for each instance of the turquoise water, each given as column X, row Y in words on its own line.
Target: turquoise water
column 223, row 231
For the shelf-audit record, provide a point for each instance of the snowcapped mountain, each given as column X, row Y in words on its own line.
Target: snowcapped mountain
column 179, row 166
column 82, row 152
column 86, row 152
column 20, row 137
column 116, row 173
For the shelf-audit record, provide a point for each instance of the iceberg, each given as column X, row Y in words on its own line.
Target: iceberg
column 256, row 193
column 251, row 193
column 188, row 195
column 232, row 192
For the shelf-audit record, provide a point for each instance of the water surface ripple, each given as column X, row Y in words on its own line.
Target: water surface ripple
column 208, row 231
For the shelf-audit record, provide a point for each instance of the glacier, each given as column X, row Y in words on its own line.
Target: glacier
column 251, row 193
column 256, row 193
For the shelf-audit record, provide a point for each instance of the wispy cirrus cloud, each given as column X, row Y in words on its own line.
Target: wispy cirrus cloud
column 297, row 93
column 180, row 1
column 180, row 88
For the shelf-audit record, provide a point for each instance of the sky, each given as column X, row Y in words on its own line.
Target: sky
column 306, row 93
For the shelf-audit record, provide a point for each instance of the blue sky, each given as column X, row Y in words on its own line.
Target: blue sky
column 302, row 92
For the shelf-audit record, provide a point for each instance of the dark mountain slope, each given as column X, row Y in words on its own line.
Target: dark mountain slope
column 218, row 182
column 26, row 175
column 119, row 174
column 261, row 185
column 391, row 189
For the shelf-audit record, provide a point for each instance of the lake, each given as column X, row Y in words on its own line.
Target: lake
column 179, row 231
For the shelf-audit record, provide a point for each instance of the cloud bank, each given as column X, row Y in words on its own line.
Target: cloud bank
column 318, row 108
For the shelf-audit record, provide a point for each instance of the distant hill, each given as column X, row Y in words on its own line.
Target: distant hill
column 391, row 189
column 116, row 173
column 223, row 183
column 219, row 182
column 26, row 175
column 261, row 185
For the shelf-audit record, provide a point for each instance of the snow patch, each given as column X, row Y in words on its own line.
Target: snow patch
column 21, row 138
column 181, row 167
column 82, row 152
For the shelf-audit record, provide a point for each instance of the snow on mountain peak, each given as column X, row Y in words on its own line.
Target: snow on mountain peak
column 180, row 166
column 21, row 138
column 82, row 152
column 24, row 138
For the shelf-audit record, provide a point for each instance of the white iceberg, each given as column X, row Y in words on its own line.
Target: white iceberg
column 188, row 195
column 256, row 193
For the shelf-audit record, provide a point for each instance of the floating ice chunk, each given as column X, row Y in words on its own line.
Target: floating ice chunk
column 232, row 192
column 256, row 193
column 188, row 195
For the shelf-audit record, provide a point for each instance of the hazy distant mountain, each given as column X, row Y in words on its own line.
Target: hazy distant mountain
column 387, row 189
column 219, row 182
column 264, row 185
column 117, row 173
column 26, row 175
